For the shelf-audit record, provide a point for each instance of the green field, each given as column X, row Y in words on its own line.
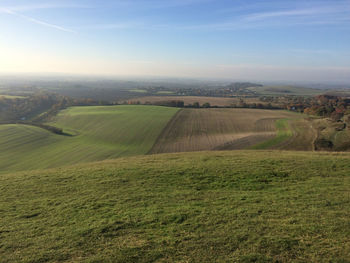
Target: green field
column 284, row 132
column 11, row 96
column 165, row 92
column 240, row 206
column 286, row 90
column 138, row 90
column 98, row 133
column 106, row 132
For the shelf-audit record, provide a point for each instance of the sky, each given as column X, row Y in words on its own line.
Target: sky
column 297, row 40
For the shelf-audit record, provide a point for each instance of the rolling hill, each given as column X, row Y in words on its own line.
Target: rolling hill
column 104, row 132
column 238, row 206
column 286, row 90
column 97, row 133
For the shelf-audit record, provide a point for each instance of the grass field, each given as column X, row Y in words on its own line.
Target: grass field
column 11, row 97
column 287, row 90
column 98, row 133
column 165, row 92
column 138, row 90
column 240, row 206
column 284, row 132
column 220, row 129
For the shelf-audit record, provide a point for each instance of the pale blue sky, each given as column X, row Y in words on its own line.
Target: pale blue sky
column 250, row 39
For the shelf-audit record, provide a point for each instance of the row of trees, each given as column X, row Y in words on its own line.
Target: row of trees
column 254, row 105
column 230, row 90
column 322, row 105
column 39, row 107
column 181, row 104
column 172, row 103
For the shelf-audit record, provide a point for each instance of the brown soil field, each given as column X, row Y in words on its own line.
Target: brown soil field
column 214, row 101
column 218, row 129
column 244, row 142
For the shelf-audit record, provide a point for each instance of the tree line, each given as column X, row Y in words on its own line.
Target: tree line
column 38, row 108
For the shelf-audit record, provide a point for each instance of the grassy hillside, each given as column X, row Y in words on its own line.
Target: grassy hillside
column 98, row 133
column 241, row 206
column 220, row 129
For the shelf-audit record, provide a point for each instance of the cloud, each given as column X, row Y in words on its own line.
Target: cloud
column 334, row 14
column 316, row 13
column 282, row 13
column 245, row 17
column 35, row 21
column 295, row 13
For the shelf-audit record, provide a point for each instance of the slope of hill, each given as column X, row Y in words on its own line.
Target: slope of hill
column 98, row 133
column 220, row 129
column 240, row 206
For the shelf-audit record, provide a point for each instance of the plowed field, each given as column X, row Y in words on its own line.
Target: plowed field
column 218, row 129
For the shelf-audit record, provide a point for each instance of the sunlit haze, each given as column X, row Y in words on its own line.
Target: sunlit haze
column 240, row 39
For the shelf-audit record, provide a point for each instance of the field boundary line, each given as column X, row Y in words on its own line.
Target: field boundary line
column 162, row 133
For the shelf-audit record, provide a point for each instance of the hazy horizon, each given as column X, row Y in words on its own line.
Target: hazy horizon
column 243, row 40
